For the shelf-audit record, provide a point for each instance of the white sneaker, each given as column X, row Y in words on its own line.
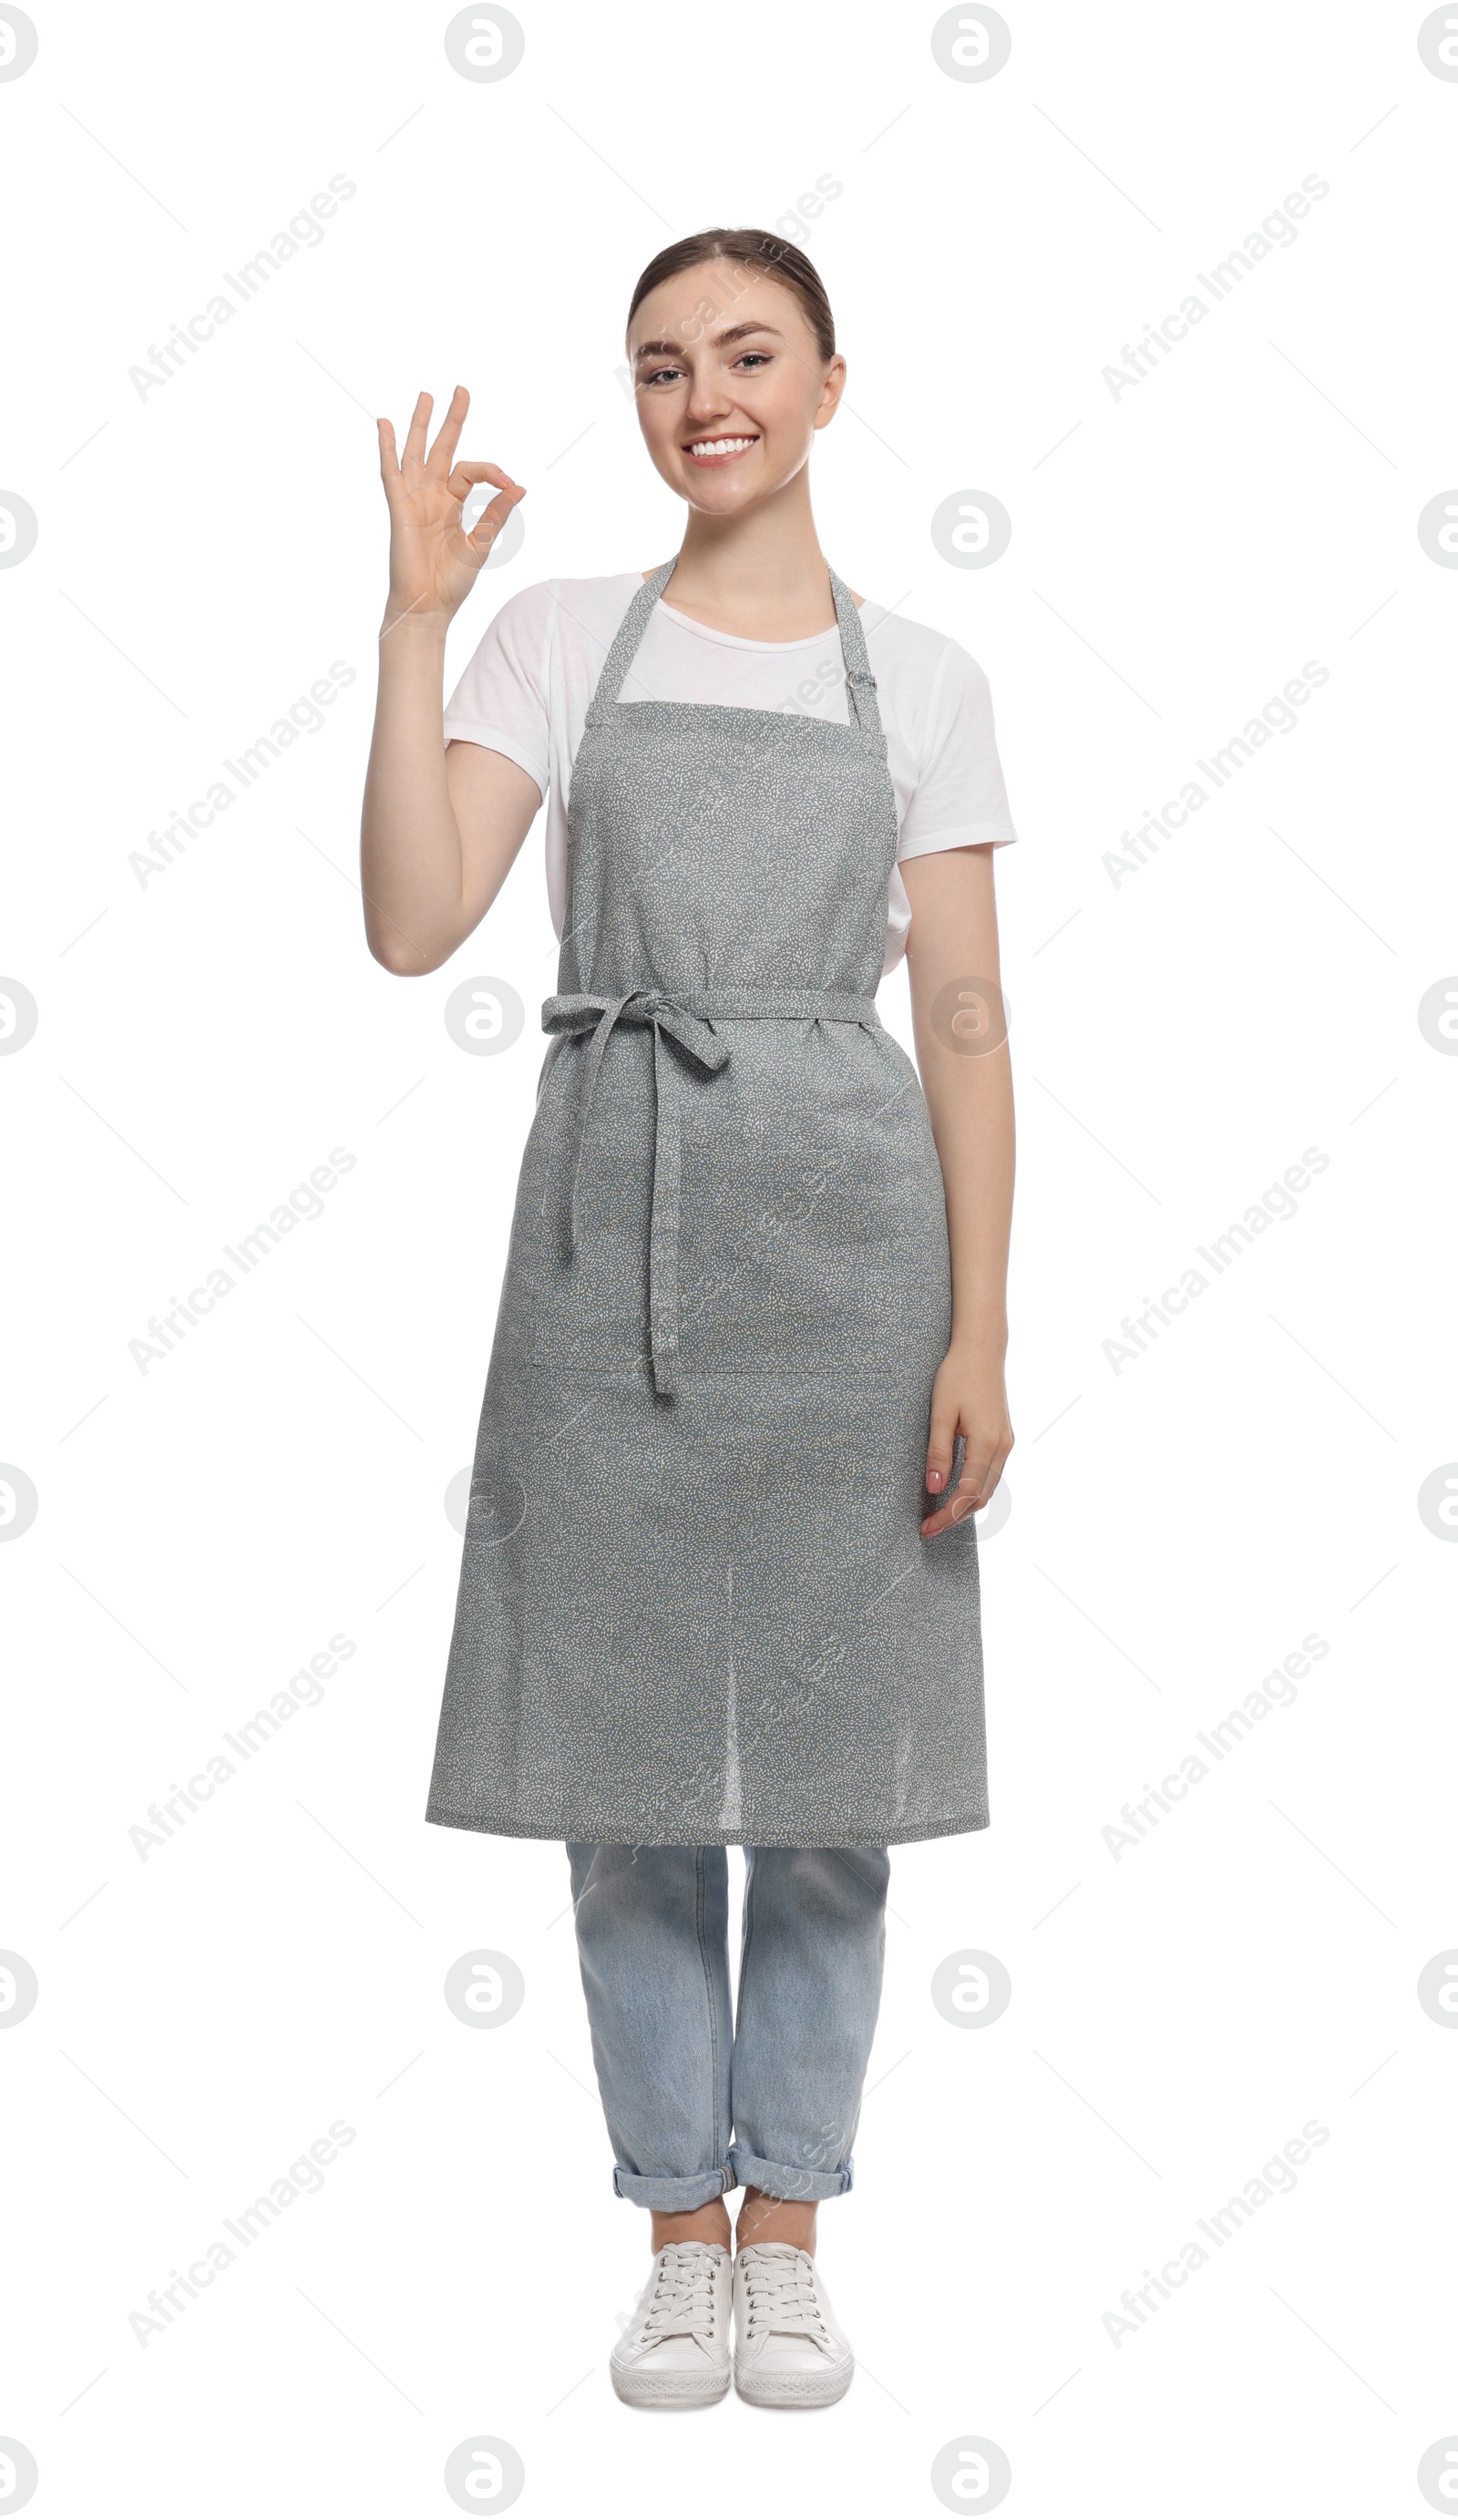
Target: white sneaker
column 674, row 2350
column 788, row 2350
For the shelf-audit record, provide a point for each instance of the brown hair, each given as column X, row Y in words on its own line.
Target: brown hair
column 773, row 256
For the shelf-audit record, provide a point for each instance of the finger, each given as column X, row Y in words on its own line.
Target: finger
column 465, row 480
column 981, row 1473
column 953, row 1510
column 955, row 1507
column 415, row 441
column 956, row 1510
column 466, row 476
column 390, row 461
column 940, row 1438
column 448, row 435
column 489, row 523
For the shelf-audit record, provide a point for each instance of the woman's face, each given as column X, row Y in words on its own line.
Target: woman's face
column 730, row 384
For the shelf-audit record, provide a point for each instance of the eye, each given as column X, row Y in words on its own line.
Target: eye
column 659, row 375
column 754, row 359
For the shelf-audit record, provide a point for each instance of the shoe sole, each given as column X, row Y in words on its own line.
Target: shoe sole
column 791, row 2389
column 666, row 2390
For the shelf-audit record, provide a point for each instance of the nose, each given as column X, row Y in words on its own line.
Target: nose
column 706, row 399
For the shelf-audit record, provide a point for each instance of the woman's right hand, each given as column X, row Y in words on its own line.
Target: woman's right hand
column 432, row 563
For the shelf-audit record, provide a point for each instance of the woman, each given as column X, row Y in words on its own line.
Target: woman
column 754, row 1295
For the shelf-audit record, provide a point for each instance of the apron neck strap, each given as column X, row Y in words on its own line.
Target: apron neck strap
column 625, row 646
column 860, row 682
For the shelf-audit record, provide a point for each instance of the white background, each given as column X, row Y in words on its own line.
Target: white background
column 1181, row 1036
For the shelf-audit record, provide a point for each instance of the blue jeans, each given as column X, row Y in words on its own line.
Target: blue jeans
column 677, row 2075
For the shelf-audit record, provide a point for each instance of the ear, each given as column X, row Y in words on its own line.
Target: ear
column 831, row 391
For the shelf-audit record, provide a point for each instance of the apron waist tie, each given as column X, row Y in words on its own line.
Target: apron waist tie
column 688, row 1014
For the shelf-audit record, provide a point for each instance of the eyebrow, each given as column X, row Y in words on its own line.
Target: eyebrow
column 720, row 342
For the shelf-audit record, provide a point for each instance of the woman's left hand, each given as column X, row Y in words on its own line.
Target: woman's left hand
column 969, row 1398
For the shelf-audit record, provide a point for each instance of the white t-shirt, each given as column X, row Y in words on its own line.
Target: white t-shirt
column 527, row 691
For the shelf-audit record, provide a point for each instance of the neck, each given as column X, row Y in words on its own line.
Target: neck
column 758, row 576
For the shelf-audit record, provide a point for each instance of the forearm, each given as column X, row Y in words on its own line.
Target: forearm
column 410, row 842
column 970, row 1104
column 962, row 1050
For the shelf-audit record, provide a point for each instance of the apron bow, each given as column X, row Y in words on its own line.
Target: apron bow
column 585, row 1012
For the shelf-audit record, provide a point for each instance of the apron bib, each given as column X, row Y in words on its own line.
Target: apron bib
column 695, row 1605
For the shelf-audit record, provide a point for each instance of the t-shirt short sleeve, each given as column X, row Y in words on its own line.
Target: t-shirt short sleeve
column 503, row 698
column 960, row 800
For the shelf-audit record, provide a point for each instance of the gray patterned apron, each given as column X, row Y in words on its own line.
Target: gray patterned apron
column 695, row 1605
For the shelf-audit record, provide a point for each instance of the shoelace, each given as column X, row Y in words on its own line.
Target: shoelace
column 683, row 2297
column 782, row 2294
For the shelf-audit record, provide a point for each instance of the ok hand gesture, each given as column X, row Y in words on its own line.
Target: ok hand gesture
column 432, row 563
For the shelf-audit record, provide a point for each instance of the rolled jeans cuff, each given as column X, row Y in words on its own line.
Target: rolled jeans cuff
column 797, row 2186
column 672, row 2196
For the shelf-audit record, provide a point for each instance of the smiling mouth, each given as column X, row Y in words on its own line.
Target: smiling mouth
column 718, row 450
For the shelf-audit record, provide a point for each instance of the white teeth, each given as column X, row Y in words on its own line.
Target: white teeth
column 719, row 445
